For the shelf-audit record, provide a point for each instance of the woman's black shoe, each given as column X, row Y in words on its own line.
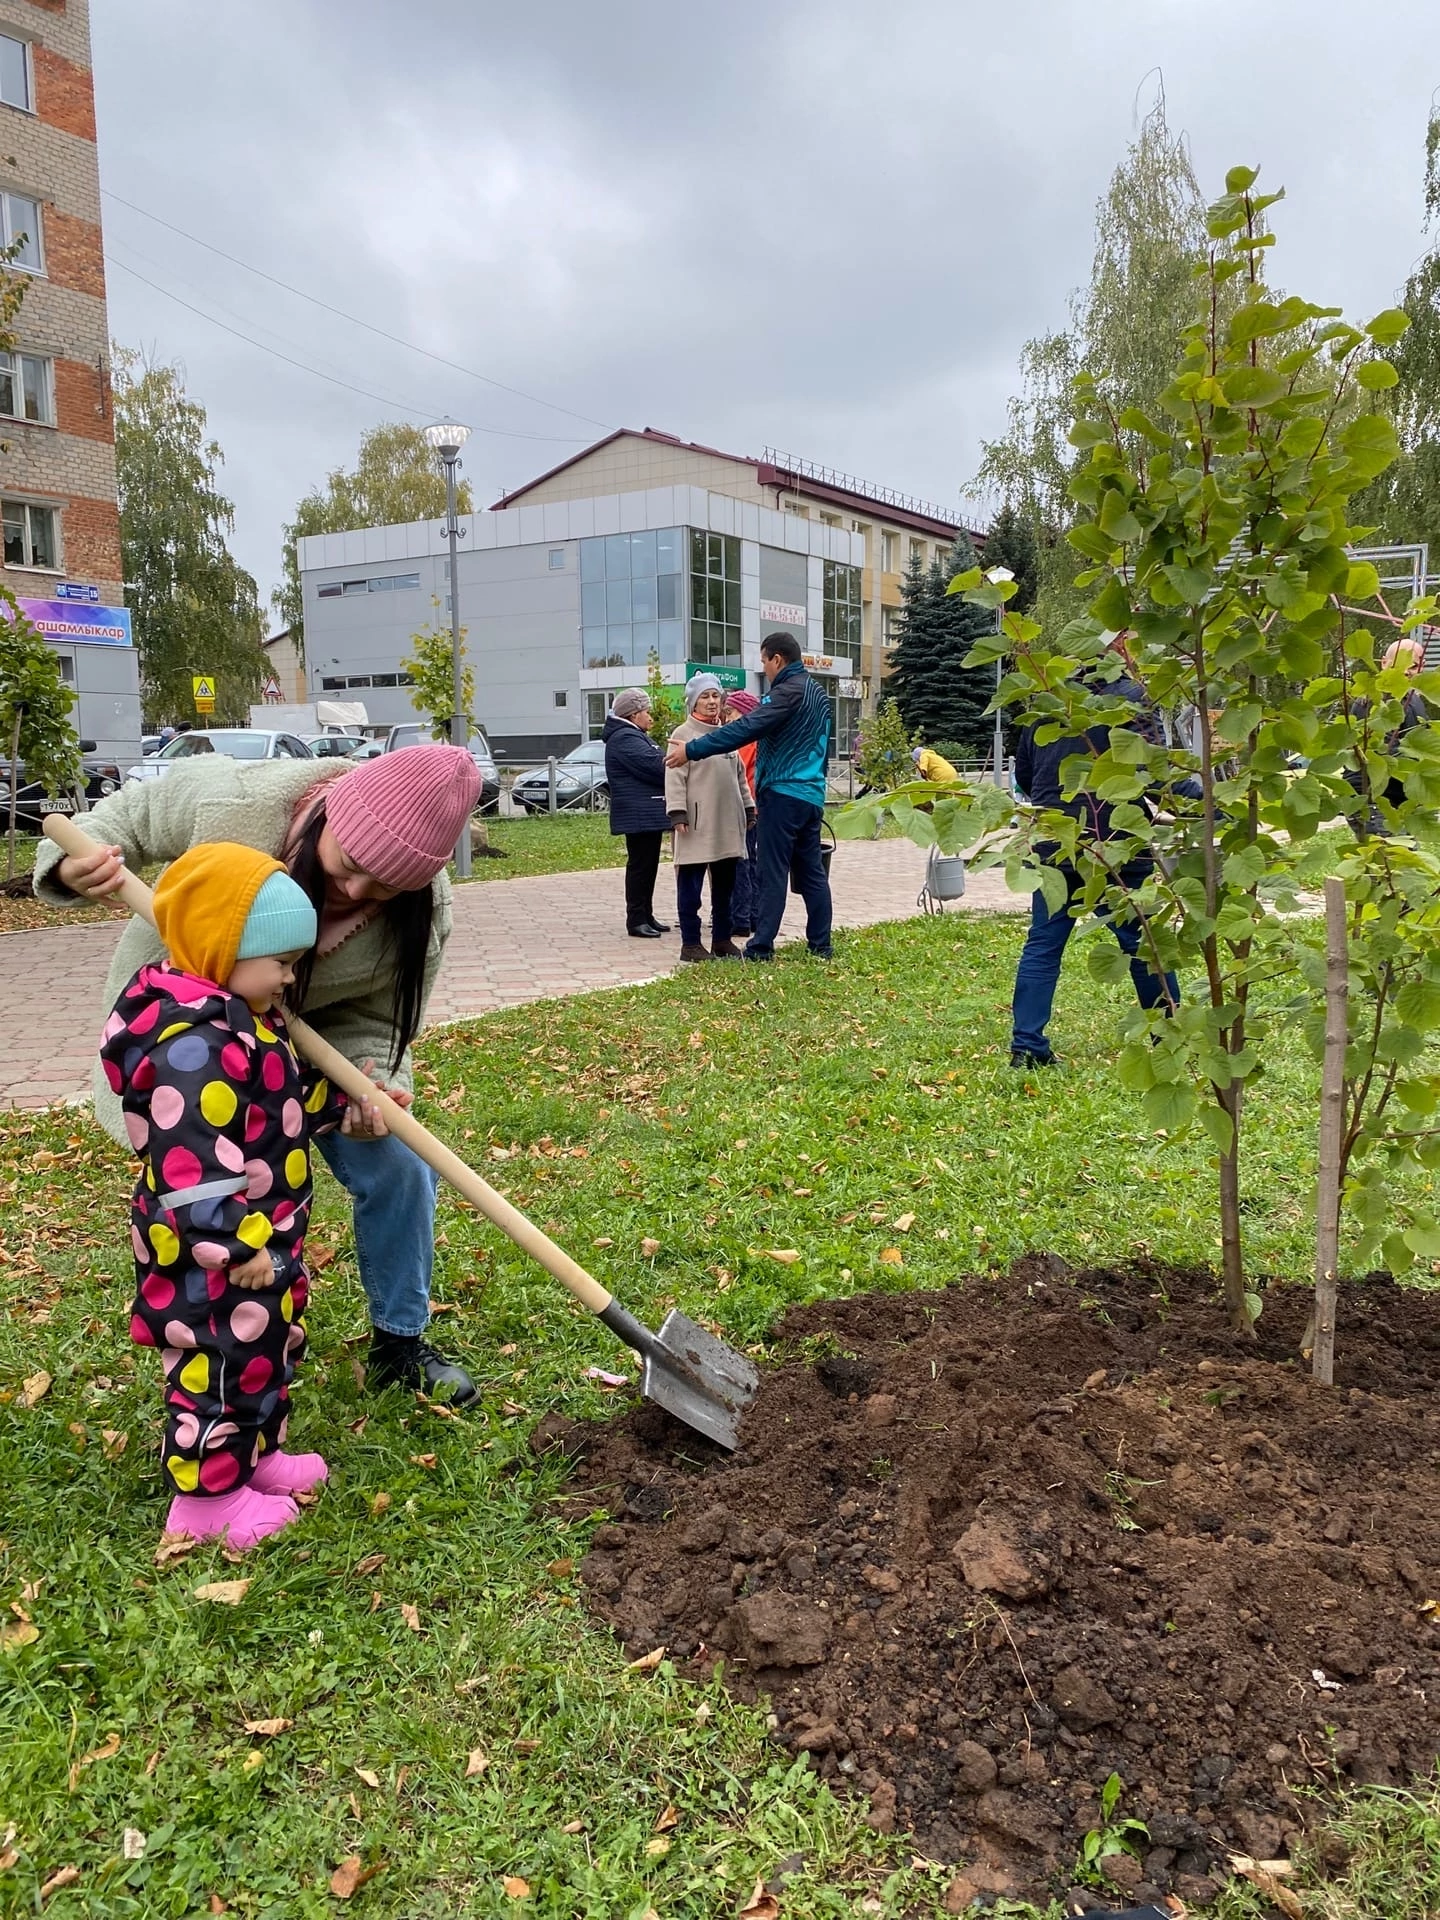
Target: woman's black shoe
column 648, row 932
column 409, row 1360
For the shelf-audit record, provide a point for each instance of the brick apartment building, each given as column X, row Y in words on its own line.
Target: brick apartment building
column 58, row 497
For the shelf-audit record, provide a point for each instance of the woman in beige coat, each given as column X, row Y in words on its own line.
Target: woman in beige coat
column 709, row 805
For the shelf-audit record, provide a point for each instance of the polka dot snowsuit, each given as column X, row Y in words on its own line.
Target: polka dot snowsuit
column 219, row 1110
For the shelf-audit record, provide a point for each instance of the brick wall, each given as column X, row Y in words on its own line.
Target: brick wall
column 64, row 94
column 82, row 400
column 74, row 252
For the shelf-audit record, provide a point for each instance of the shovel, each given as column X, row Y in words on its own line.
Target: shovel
column 684, row 1369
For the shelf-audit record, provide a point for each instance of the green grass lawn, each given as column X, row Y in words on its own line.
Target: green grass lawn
column 721, row 1113
column 568, row 843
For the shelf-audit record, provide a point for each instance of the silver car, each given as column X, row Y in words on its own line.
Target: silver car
column 580, row 783
column 236, row 743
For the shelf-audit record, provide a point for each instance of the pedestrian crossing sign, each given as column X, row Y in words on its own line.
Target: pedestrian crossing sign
column 203, row 685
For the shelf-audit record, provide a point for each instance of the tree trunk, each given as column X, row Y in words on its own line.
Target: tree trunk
column 1232, row 1252
column 14, row 791
column 1332, row 1117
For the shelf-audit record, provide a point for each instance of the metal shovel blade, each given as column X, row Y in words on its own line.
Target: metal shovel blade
column 699, row 1379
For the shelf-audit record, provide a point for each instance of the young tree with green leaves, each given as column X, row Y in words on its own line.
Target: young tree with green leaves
column 1215, row 530
column 938, row 696
column 195, row 609
column 882, row 756
column 667, row 702
column 431, row 667
column 36, row 728
column 396, row 479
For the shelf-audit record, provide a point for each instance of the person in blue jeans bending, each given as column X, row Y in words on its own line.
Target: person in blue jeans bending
column 792, row 726
column 1038, row 774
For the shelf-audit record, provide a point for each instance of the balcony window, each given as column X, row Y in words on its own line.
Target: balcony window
column 31, row 535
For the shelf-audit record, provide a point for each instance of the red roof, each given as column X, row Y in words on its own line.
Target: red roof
column 767, row 474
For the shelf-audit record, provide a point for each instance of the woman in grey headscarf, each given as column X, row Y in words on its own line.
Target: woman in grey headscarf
column 635, row 775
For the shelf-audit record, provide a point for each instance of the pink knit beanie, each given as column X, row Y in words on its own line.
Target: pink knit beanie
column 742, row 700
column 399, row 815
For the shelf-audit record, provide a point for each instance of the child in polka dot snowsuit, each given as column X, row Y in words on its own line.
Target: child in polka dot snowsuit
column 221, row 1113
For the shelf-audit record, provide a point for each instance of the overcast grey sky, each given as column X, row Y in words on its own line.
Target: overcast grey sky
column 825, row 226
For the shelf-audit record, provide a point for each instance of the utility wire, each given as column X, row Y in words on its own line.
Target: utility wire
column 394, row 338
column 397, row 406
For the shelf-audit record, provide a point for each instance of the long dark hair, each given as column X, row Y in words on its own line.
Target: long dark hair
column 407, row 918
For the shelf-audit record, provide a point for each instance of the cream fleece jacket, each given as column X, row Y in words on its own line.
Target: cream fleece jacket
column 214, row 798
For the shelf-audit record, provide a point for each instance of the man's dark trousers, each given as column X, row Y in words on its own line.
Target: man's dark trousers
column 642, row 863
column 790, row 842
column 1038, row 973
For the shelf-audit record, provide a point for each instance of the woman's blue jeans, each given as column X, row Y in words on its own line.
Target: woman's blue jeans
column 394, row 1211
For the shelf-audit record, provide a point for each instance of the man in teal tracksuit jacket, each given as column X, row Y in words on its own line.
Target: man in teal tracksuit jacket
column 792, row 726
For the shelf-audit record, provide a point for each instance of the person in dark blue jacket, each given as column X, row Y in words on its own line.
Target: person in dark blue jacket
column 635, row 775
column 792, row 726
column 1038, row 775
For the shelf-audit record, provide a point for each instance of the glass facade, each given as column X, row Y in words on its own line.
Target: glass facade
column 631, row 598
column 714, row 599
column 842, row 609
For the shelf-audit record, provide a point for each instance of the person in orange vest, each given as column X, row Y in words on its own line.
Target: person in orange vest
column 738, row 705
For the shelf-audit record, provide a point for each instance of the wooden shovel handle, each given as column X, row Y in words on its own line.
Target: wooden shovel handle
column 132, row 890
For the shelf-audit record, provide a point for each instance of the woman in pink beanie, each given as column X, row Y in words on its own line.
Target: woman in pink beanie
column 369, row 844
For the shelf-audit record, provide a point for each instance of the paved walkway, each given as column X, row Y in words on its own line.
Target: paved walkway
column 514, row 941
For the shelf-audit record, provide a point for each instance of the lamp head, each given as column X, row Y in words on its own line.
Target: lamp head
column 446, row 437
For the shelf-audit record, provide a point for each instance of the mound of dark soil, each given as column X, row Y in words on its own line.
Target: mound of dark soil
column 1000, row 1541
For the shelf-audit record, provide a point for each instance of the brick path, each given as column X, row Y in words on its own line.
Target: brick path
column 514, row 941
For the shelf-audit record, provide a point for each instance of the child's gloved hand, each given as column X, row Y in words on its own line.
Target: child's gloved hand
column 256, row 1272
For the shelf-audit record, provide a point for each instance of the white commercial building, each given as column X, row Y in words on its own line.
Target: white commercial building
column 565, row 601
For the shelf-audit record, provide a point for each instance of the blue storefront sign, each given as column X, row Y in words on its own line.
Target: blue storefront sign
column 74, row 590
column 87, row 626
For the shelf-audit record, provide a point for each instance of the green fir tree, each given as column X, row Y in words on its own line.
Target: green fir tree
column 938, row 696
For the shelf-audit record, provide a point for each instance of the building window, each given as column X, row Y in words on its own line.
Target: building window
column 830, row 519
column 892, row 625
column 31, row 535
column 358, row 680
column 562, row 698
column 15, row 87
column 630, row 598
column 26, row 390
column 714, row 599
column 377, row 583
column 798, row 508
column 329, row 684
column 917, row 553
column 67, row 668
column 890, row 544
column 557, row 559
column 384, row 679
column 20, row 228
column 842, row 609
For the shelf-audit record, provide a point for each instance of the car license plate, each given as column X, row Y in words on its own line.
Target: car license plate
column 57, row 806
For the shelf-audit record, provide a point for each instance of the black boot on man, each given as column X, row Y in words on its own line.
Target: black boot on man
column 409, row 1360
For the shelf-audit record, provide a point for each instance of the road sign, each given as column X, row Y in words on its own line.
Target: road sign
column 271, row 690
column 203, row 685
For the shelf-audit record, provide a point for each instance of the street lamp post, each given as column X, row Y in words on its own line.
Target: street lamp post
column 447, row 437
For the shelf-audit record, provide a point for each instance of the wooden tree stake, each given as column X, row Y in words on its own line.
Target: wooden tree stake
column 1332, row 1118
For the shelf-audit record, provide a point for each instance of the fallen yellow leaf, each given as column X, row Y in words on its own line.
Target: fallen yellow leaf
column 787, row 1256
column 603, row 1241
column 224, row 1593
column 515, row 1887
column 269, row 1728
column 370, row 1563
column 351, row 1875
column 904, row 1223
column 648, row 1247
column 66, row 1877
column 31, row 1392
column 655, row 1847
column 647, row 1662
column 410, row 1615
column 422, row 1459
column 252, row 1760
column 173, row 1546
column 477, row 1763
column 573, row 1826
column 378, row 1503
column 115, row 1442
column 892, row 1257
column 668, row 1821
column 561, row 1569
column 371, row 1778
column 760, row 1906
column 132, row 1844
column 18, row 1633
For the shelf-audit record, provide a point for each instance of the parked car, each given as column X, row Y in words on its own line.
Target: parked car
column 238, row 743
column 414, row 733
column 580, row 783
column 151, row 743
column 32, row 802
column 338, row 746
